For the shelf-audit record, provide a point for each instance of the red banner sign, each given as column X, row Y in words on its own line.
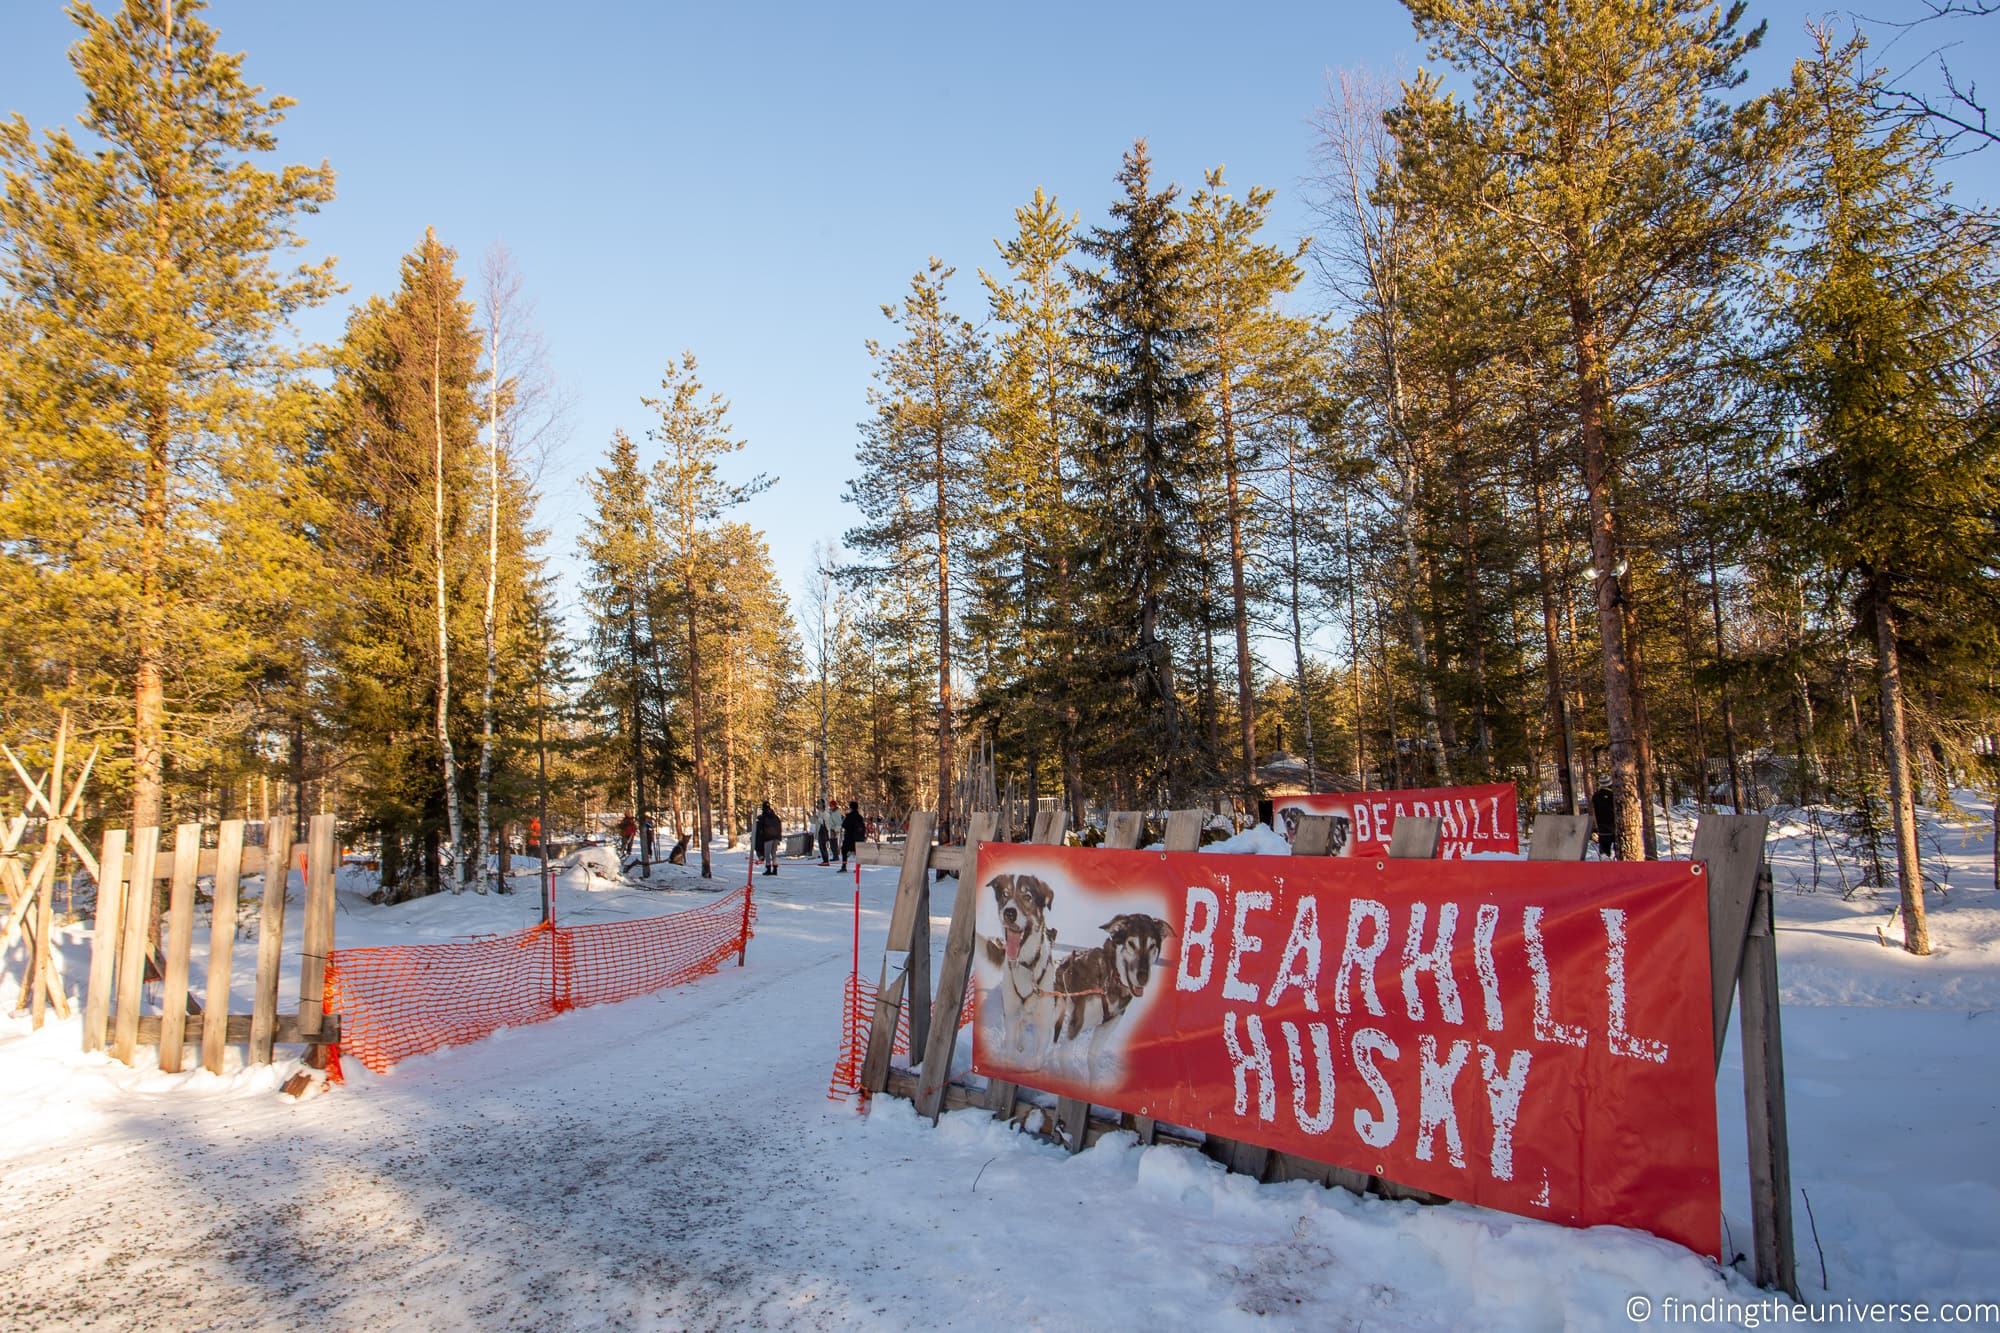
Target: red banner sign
column 1528, row 1036
column 1476, row 819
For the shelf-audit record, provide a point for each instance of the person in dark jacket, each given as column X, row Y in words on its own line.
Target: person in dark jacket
column 853, row 828
column 768, row 832
column 1604, row 812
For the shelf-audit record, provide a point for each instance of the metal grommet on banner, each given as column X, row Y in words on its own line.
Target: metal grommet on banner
column 1381, row 866
column 1694, row 868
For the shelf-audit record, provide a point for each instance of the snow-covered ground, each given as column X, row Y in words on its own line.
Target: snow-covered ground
column 673, row 1162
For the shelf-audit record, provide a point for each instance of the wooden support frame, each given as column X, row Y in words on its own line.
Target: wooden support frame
column 909, row 942
column 1743, row 957
column 1743, row 954
column 953, row 973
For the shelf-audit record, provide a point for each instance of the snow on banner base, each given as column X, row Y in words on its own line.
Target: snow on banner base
column 1528, row 1036
column 411, row 999
column 1476, row 819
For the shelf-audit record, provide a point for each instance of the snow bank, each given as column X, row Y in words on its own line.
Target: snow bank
column 1257, row 840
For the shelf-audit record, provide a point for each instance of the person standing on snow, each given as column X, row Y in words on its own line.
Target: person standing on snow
column 826, row 825
column 767, row 831
column 628, row 828
column 853, row 828
column 1604, row 811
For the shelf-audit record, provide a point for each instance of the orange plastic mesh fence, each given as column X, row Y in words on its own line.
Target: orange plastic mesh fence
column 857, row 1013
column 410, row 999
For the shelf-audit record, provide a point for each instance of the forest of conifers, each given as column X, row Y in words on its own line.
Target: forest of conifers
column 1622, row 425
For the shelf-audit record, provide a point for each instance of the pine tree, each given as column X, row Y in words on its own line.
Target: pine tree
column 1143, row 468
column 404, row 472
column 1252, row 360
column 150, row 410
column 916, row 455
column 1027, row 562
column 624, row 553
column 693, row 431
column 1631, row 191
column 1893, row 476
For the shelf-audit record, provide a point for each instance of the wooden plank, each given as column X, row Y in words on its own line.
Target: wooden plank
column 1559, row 838
column 878, row 853
column 221, row 943
column 104, row 940
column 1044, row 819
column 1764, row 1104
column 41, row 965
column 1732, row 846
column 918, row 995
column 132, row 944
column 252, row 863
column 1124, row 829
column 237, row 1029
column 954, row 971
column 912, row 905
column 1312, row 835
column 270, row 937
column 179, row 946
column 318, row 941
column 1291, row 1166
column 1184, row 830
column 1416, row 838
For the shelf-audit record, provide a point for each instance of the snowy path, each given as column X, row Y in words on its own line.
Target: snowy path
column 672, row 1162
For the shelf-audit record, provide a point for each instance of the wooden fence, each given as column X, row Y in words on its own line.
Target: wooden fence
column 1742, row 950
column 135, row 940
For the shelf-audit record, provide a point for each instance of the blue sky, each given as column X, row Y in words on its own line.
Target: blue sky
column 754, row 181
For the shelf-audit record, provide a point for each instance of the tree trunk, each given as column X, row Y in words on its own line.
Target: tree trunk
column 704, row 821
column 1599, row 476
column 1298, row 630
column 450, row 761
column 1246, row 695
column 150, row 629
column 638, row 719
column 729, row 803
column 1469, row 558
column 486, row 623
column 1728, row 709
column 149, row 681
column 1642, row 732
column 1552, row 668
column 1354, row 649
column 946, row 741
column 1413, row 622
column 1896, row 756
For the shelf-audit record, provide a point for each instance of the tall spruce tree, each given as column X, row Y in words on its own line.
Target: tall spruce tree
column 404, row 472
column 917, row 454
column 624, row 554
column 694, row 435
column 1141, row 473
column 1252, row 358
column 1893, row 474
column 149, row 410
column 1025, row 567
